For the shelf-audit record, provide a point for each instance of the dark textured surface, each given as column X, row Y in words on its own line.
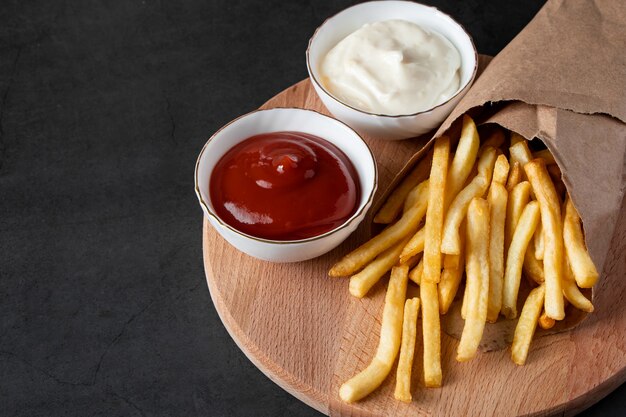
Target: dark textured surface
column 104, row 308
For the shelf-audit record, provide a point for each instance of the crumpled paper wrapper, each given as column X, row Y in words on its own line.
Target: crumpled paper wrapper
column 562, row 80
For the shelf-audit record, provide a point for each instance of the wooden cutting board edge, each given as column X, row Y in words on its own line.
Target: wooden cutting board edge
column 287, row 381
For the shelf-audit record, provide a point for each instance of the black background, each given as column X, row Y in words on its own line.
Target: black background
column 104, row 308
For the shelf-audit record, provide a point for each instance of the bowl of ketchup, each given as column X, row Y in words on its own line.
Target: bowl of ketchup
column 285, row 185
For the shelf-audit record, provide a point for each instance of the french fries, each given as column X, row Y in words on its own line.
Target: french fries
column 356, row 259
column 520, row 153
column 516, row 138
column 533, row 267
column 500, row 170
column 451, row 277
column 434, row 215
column 550, row 208
column 414, row 246
column 497, row 205
column 515, row 176
column 417, row 197
column 391, row 209
column 526, row 325
column 419, row 192
column 371, row 377
column 450, row 243
column 571, row 291
column 451, row 261
column 520, row 195
column 584, row 270
column 416, row 273
column 407, row 350
column 546, row 155
column 431, row 333
column 464, row 158
column 361, row 283
column 515, row 258
column 485, row 217
column 538, row 242
column 477, row 271
column 546, row 322
column 413, row 261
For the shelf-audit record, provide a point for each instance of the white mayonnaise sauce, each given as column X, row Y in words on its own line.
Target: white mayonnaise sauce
column 393, row 67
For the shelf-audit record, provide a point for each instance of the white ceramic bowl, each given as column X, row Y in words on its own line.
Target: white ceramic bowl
column 381, row 126
column 274, row 120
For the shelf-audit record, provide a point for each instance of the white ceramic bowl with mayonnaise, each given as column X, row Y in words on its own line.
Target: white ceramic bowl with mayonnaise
column 287, row 119
column 390, row 127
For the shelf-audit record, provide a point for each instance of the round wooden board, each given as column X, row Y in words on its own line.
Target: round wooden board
column 306, row 333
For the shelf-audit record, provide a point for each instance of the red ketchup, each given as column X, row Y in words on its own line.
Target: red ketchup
column 284, row 186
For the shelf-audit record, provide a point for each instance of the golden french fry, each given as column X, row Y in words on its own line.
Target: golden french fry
column 515, row 258
column 407, row 350
column 497, row 199
column 533, row 267
column 413, row 246
column 477, row 271
column 411, row 199
column 515, row 176
column 435, row 213
column 431, row 334
column 538, row 242
column 520, row 153
column 451, row 261
column 550, row 207
column 359, row 257
column 361, row 282
column 417, row 194
column 516, row 137
column 527, row 324
column 546, row 155
column 449, row 285
column 546, row 322
column 391, row 209
column 412, row 262
column 500, row 170
column 458, row 209
column 451, row 277
column 584, row 270
column 518, row 199
column 416, row 273
column 463, row 161
column 371, row 377
column 571, row 291
column 575, row 297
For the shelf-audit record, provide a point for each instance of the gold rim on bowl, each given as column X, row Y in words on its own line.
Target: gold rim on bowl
column 345, row 224
column 395, row 116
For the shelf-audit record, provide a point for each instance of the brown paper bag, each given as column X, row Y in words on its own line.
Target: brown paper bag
column 563, row 80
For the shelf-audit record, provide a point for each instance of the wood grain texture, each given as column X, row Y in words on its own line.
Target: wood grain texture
column 306, row 333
